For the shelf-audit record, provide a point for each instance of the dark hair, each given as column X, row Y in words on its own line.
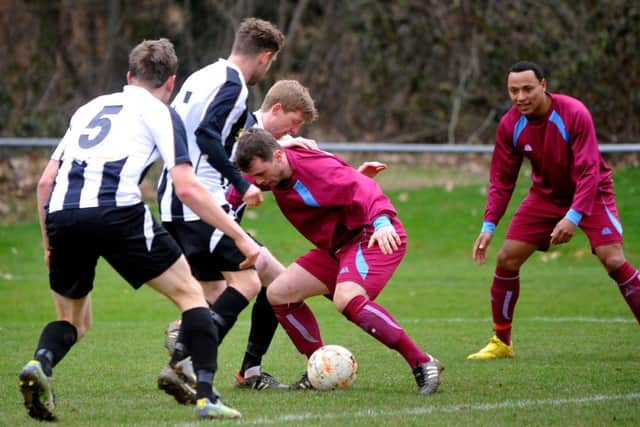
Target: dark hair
column 153, row 62
column 255, row 143
column 255, row 36
column 527, row 65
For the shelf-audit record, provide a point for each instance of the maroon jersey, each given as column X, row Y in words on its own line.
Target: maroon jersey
column 327, row 201
column 567, row 168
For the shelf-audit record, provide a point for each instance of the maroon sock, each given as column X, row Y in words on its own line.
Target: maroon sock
column 504, row 295
column 298, row 321
column 378, row 322
column 628, row 280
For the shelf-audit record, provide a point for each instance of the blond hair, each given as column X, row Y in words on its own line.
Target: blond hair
column 293, row 97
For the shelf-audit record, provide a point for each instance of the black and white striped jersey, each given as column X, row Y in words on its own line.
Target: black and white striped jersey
column 110, row 145
column 212, row 101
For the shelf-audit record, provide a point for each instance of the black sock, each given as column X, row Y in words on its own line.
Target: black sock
column 200, row 337
column 180, row 351
column 263, row 327
column 56, row 340
column 225, row 310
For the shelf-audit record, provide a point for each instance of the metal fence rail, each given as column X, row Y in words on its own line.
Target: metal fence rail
column 358, row 146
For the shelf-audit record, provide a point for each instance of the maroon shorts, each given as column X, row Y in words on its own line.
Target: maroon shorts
column 354, row 262
column 536, row 217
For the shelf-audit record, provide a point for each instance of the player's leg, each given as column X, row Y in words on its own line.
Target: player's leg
column 56, row 339
column 213, row 289
column 505, row 289
column 73, row 257
column 210, row 252
column 528, row 231
column 625, row 275
column 200, row 335
column 262, row 330
column 287, row 294
column 242, row 286
column 142, row 252
column 175, row 337
column 352, row 301
column 363, row 274
column 604, row 231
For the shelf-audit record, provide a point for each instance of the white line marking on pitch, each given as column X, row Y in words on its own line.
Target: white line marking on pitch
column 372, row 413
column 548, row 319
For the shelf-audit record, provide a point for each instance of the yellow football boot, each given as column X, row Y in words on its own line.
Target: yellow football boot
column 496, row 349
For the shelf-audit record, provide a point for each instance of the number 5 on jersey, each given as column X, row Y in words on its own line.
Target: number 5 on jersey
column 102, row 121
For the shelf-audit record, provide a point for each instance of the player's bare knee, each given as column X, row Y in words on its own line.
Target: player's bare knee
column 507, row 260
column 268, row 267
column 276, row 296
column 345, row 292
column 612, row 262
column 246, row 282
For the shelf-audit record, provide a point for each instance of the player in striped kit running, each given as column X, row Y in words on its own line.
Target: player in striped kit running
column 90, row 206
column 213, row 105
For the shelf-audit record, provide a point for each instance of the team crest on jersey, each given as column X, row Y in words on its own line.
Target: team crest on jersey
column 527, row 147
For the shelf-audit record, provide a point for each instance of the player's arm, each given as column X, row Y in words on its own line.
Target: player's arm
column 358, row 196
column 171, row 140
column 298, row 141
column 193, row 194
column 217, row 157
column 45, row 186
column 503, row 174
column 209, row 137
column 384, row 234
column 586, row 155
column 371, row 169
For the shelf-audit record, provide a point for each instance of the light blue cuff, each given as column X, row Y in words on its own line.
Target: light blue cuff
column 381, row 221
column 574, row 216
column 488, row 227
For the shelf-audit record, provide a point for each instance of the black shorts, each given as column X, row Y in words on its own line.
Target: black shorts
column 128, row 238
column 207, row 249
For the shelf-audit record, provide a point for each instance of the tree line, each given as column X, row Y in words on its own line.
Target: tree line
column 401, row 71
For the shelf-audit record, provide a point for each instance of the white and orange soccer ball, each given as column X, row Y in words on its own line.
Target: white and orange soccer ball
column 332, row 367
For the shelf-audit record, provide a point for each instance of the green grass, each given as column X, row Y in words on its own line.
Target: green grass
column 576, row 341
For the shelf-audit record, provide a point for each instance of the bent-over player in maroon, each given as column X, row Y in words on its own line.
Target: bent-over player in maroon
column 359, row 243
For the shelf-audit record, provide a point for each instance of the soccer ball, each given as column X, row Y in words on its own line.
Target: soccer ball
column 331, row 367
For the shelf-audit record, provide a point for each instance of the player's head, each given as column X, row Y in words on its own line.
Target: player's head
column 153, row 64
column 527, row 88
column 259, row 155
column 259, row 40
column 286, row 107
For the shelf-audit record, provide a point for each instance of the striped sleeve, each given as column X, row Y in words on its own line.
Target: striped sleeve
column 170, row 137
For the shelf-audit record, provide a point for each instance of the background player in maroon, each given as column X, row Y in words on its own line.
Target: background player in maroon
column 571, row 187
column 359, row 243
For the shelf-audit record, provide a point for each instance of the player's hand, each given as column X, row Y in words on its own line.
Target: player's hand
column 480, row 246
column 562, row 232
column 309, row 144
column 250, row 249
column 387, row 238
column 253, row 196
column 371, row 169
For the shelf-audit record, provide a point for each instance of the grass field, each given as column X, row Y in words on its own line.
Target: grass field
column 577, row 361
